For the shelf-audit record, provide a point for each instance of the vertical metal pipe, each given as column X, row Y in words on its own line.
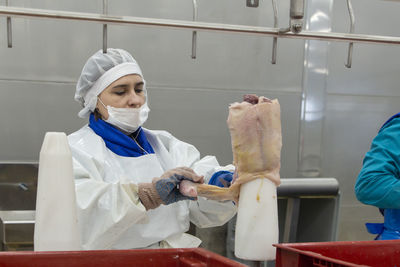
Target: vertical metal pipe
column 296, row 15
column 9, row 30
column 315, row 74
column 275, row 40
column 352, row 22
column 296, row 9
column 291, row 220
column 194, row 33
column 105, row 12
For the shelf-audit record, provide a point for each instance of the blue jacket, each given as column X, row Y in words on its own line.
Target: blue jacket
column 378, row 183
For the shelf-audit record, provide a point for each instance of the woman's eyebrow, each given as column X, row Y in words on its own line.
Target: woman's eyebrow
column 120, row 86
column 126, row 85
column 139, row 83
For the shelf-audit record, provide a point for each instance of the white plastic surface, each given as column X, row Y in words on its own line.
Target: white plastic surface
column 257, row 221
column 56, row 224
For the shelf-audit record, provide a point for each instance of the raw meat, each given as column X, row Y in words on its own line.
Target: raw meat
column 255, row 128
column 256, row 138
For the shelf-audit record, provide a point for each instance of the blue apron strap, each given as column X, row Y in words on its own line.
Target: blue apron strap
column 390, row 229
column 374, row 228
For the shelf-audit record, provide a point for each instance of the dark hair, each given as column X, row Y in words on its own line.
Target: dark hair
column 96, row 114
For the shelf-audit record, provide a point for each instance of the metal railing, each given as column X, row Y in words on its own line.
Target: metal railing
column 196, row 25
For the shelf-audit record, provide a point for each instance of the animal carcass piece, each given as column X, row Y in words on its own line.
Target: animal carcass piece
column 255, row 128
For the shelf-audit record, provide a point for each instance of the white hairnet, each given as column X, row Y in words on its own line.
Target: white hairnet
column 99, row 72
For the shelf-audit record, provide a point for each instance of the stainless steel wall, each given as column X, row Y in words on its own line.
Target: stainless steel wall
column 190, row 97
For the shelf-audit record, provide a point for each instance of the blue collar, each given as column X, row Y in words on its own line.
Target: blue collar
column 391, row 118
column 118, row 142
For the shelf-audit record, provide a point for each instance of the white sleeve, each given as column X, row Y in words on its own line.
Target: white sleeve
column 105, row 210
column 209, row 213
column 203, row 212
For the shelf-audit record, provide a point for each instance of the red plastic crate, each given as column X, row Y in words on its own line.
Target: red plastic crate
column 193, row 257
column 337, row 254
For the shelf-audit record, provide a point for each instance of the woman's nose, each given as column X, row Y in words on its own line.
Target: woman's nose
column 135, row 100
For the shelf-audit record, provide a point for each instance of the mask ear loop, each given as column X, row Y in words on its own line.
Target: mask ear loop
column 101, row 102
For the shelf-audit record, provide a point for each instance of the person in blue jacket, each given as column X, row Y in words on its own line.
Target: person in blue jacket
column 378, row 183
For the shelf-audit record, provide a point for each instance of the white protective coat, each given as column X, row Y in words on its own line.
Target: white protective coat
column 112, row 217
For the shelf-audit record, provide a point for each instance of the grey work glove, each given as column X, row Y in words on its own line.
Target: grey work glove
column 165, row 189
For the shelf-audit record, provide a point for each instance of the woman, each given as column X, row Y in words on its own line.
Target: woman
column 127, row 177
column 378, row 183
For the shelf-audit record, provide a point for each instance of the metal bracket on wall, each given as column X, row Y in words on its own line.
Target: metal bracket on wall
column 252, row 3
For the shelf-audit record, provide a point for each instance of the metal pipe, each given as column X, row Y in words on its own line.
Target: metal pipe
column 122, row 20
column 352, row 22
column 296, row 9
column 296, row 15
column 194, row 33
column 9, row 30
column 307, row 187
column 291, row 220
column 105, row 11
column 275, row 40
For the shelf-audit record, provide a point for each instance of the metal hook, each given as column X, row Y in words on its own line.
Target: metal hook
column 194, row 33
column 9, row 30
column 275, row 40
column 105, row 11
column 352, row 22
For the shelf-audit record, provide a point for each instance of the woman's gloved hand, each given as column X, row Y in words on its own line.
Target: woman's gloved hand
column 164, row 189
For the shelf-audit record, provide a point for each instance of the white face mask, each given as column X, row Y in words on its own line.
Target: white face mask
column 127, row 119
